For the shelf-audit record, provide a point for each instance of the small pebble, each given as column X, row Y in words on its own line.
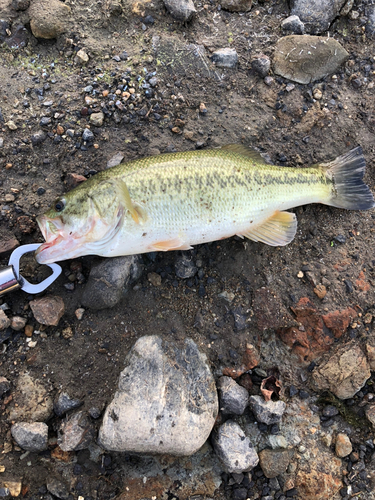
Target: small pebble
column 202, row 108
column 320, row 291
column 340, row 238
column 343, row 445
column 79, row 313
column 18, row 323
column 29, row 329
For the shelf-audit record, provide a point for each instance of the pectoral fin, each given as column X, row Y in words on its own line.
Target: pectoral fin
column 174, row 244
column 128, row 204
column 278, row 230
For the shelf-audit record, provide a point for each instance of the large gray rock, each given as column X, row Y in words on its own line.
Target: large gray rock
column 182, row 10
column 48, row 18
column 233, row 397
column 233, row 448
column 268, row 412
column 108, row 279
column 317, row 15
column 31, row 436
column 166, row 400
column 305, row 58
column 343, row 373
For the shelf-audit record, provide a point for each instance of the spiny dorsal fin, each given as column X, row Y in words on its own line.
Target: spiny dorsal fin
column 277, row 231
column 245, row 151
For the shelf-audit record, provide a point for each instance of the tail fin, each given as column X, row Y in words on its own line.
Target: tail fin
column 349, row 190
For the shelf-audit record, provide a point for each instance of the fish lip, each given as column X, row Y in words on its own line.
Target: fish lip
column 51, row 230
column 45, row 223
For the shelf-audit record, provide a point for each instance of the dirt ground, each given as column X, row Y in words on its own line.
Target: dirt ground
column 241, row 108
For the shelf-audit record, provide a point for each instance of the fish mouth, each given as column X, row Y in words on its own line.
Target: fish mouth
column 56, row 244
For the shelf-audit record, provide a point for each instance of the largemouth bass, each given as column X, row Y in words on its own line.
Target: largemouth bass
column 177, row 200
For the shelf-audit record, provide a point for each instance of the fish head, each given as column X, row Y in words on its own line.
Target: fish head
column 81, row 222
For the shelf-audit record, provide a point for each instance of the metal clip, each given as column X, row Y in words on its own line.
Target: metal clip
column 10, row 278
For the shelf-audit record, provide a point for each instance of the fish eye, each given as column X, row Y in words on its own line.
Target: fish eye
column 60, row 205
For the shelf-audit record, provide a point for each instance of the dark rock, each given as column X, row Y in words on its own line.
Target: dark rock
column 38, row 138
column 233, row 448
column 370, row 26
column 268, row 412
column 45, row 121
column 76, row 432
column 330, row 411
column 340, row 238
column 294, row 24
column 269, row 310
column 19, row 38
column 31, row 436
column 233, row 397
column 349, row 286
column 225, row 58
column 166, row 401
column 57, row 487
column 292, row 391
column 261, row 64
column 94, row 412
column 149, row 20
column 108, row 279
column 65, row 403
column 4, row 27
column 4, row 386
column 87, row 135
column 317, row 15
column 239, row 318
column 8, row 242
column 239, row 494
column 185, row 267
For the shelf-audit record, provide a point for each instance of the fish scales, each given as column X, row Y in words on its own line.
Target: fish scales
column 173, row 201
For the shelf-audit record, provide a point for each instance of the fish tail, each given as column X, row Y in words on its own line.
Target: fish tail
column 346, row 173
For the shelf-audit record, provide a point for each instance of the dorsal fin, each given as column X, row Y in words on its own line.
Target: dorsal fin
column 242, row 150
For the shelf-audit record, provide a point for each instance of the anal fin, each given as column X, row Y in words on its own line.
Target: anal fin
column 279, row 230
column 174, row 244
